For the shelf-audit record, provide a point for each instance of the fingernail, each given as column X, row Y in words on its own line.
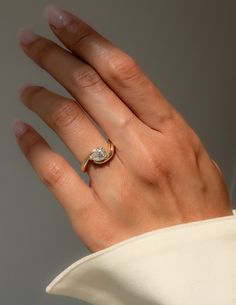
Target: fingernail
column 217, row 166
column 27, row 36
column 19, row 128
column 23, row 87
column 56, row 16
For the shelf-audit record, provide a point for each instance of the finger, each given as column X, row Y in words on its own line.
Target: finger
column 73, row 194
column 67, row 119
column 117, row 68
column 83, row 82
column 52, row 169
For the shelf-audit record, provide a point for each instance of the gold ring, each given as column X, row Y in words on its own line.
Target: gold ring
column 99, row 155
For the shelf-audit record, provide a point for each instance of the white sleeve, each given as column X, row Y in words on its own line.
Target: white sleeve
column 186, row 264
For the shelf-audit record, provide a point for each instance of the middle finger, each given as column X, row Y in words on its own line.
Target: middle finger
column 82, row 81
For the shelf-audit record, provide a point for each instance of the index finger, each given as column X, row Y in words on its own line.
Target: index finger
column 117, row 68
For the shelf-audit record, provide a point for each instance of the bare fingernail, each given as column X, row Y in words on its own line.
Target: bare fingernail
column 23, row 87
column 19, row 128
column 217, row 166
column 56, row 16
column 27, row 36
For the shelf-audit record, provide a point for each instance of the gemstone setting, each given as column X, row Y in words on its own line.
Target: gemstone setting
column 98, row 154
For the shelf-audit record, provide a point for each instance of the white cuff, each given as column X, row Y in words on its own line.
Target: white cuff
column 186, row 264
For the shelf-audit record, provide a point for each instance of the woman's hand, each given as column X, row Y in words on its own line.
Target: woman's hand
column 160, row 174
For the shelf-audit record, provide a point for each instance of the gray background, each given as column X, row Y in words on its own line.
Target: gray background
column 186, row 47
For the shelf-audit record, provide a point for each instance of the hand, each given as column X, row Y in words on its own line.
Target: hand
column 160, row 174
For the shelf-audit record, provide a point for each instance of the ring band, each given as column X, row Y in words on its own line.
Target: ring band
column 99, row 155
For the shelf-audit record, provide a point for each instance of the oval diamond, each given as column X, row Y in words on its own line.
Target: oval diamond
column 99, row 154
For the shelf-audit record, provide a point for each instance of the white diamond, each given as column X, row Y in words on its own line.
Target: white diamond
column 99, row 154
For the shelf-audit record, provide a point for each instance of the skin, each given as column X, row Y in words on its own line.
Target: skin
column 160, row 175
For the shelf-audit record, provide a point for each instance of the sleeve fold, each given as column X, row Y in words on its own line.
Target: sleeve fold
column 185, row 264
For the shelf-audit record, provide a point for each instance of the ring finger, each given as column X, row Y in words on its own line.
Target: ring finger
column 67, row 119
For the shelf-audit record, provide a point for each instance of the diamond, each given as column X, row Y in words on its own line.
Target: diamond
column 99, row 154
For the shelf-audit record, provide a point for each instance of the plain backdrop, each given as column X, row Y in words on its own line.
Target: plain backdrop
column 188, row 50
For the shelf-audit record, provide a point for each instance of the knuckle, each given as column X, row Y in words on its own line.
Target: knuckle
column 187, row 135
column 44, row 49
column 190, row 156
column 31, row 94
column 165, row 116
column 87, row 79
column 188, row 147
column 197, row 143
column 155, row 167
column 125, row 68
column 66, row 115
column 125, row 122
column 54, row 173
column 81, row 33
column 192, row 142
column 33, row 144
